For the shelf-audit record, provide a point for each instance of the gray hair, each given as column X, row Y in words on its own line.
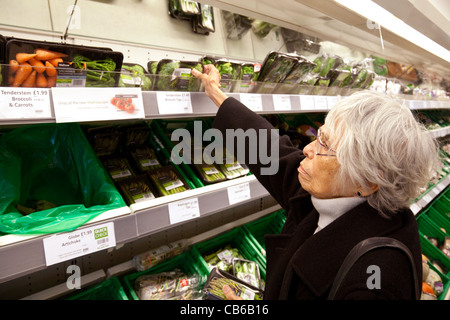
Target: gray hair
column 379, row 141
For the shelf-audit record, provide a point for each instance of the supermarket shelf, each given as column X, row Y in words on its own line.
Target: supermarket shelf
column 198, row 104
column 24, row 254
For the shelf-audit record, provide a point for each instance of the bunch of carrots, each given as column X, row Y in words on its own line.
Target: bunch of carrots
column 36, row 69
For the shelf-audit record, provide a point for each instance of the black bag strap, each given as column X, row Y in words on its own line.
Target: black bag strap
column 365, row 246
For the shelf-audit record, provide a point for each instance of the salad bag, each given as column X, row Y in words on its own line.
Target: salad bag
column 51, row 180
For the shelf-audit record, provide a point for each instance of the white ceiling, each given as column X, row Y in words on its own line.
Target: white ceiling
column 327, row 20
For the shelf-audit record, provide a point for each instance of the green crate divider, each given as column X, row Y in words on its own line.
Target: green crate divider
column 110, row 289
column 442, row 204
column 429, row 228
column 237, row 238
column 433, row 253
column 270, row 224
column 163, row 151
column 158, row 126
column 438, row 219
column 184, row 261
column 445, row 281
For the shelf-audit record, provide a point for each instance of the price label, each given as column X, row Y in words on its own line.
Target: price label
column 252, row 101
column 174, row 102
column 307, row 102
column 97, row 104
column 320, row 102
column 281, row 102
column 238, row 193
column 66, row 246
column 25, row 103
column 183, row 210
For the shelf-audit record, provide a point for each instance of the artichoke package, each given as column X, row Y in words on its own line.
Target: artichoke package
column 168, row 181
column 219, row 278
column 175, row 75
column 136, row 189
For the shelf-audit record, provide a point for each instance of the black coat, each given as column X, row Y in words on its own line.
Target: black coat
column 308, row 262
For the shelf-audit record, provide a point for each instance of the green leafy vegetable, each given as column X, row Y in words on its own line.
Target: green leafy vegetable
column 100, row 73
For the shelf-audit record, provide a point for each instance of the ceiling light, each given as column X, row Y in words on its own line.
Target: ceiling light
column 387, row 20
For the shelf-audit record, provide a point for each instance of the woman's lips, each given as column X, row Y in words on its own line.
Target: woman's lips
column 301, row 170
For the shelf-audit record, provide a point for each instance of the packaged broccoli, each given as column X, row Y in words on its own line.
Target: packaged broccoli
column 136, row 189
column 118, row 167
column 168, row 181
column 145, row 158
column 208, row 60
column 248, row 75
column 104, row 140
column 229, row 73
column 217, row 279
column 175, row 75
column 152, row 66
column 134, row 75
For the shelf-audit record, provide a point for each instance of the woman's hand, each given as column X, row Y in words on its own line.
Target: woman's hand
column 211, row 81
column 229, row 293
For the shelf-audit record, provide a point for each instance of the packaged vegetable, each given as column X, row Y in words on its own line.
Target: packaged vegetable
column 152, row 66
column 118, row 167
column 209, row 173
column 174, row 75
column 167, row 180
column 145, row 158
column 229, row 73
column 134, row 134
column 274, row 70
column 217, row 279
column 100, row 72
column 247, row 271
column 204, row 22
column 236, row 25
column 136, row 189
column 155, row 256
column 104, row 140
column 222, row 258
column 183, row 9
column 172, row 285
column 134, row 75
column 248, row 75
column 261, row 28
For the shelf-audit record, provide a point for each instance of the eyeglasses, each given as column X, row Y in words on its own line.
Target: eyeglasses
column 320, row 144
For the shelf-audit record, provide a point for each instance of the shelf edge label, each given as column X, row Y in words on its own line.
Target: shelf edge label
column 66, row 246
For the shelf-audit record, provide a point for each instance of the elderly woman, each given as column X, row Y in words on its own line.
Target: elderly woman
column 354, row 182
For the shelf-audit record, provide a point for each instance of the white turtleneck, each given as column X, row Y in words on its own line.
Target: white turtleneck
column 331, row 209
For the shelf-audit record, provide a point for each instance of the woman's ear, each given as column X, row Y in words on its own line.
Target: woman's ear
column 368, row 190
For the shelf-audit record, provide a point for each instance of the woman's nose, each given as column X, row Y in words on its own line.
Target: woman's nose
column 308, row 150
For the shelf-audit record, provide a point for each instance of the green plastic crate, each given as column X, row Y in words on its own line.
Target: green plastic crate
column 159, row 127
column 270, row 224
column 438, row 219
column 110, row 289
column 442, row 204
column 185, row 262
column 236, row 238
column 445, row 281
